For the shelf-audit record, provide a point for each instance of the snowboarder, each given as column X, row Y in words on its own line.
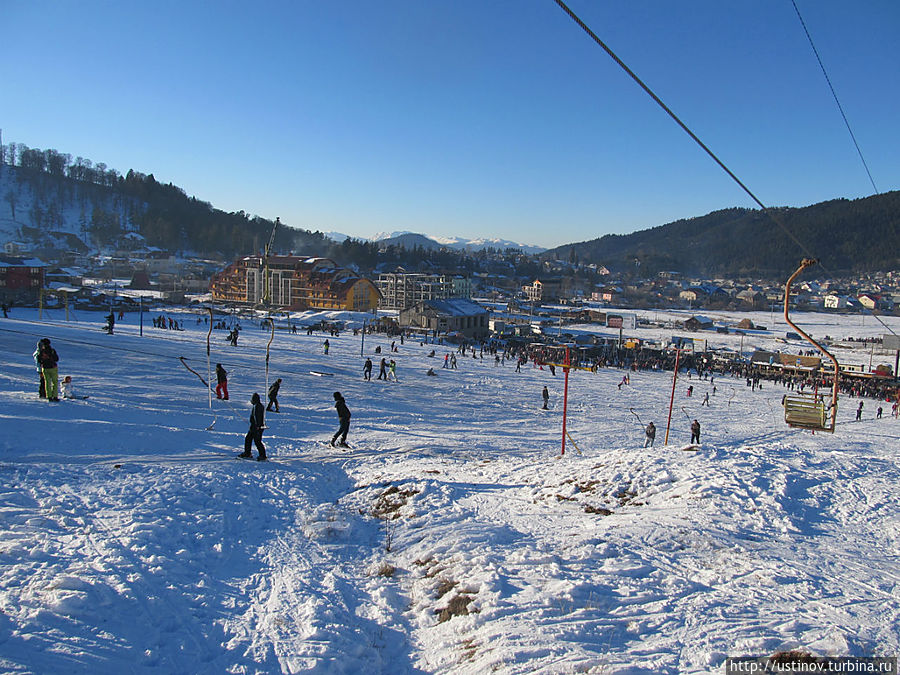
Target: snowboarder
column 221, row 382
column 344, row 416
column 651, row 435
column 695, row 432
column 273, row 395
column 546, row 396
column 367, row 370
column 254, row 434
column 48, row 360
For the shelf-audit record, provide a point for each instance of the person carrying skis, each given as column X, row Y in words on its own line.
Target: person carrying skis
column 367, row 370
column 48, row 360
column 651, row 435
column 546, row 396
column 344, row 416
column 273, row 395
column 254, row 434
column 221, row 382
column 695, row 431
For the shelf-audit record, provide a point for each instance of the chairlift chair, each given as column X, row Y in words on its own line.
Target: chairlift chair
column 809, row 411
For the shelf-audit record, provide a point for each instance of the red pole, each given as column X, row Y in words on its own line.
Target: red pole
column 672, row 399
column 565, row 400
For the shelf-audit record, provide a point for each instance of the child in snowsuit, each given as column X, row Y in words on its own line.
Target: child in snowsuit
column 221, row 382
column 254, row 434
column 344, row 416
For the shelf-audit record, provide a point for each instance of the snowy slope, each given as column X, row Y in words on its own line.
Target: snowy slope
column 452, row 537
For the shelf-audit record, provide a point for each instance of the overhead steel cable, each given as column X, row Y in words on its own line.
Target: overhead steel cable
column 768, row 211
column 834, row 94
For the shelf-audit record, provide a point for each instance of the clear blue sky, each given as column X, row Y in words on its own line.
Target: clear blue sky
column 491, row 118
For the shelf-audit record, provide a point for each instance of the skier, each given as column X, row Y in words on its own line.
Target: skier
column 273, row 395
column 651, row 435
column 690, row 391
column 695, row 431
column 705, row 400
column 382, row 373
column 859, row 411
column 325, row 346
column 344, row 416
column 367, row 370
column 42, row 392
column 48, row 360
column 546, row 396
column 392, row 367
column 221, row 382
column 254, row 434
column 110, row 322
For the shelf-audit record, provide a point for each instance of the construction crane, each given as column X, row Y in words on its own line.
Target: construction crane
column 266, row 296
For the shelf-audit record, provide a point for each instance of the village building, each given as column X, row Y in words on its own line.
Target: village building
column 21, row 279
column 452, row 315
column 295, row 283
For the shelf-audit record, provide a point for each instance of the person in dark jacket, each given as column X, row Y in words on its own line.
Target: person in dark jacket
column 221, row 382
column 254, row 434
column 48, row 360
column 367, row 370
column 546, row 396
column 650, row 431
column 344, row 416
column 42, row 392
column 695, row 431
column 273, row 395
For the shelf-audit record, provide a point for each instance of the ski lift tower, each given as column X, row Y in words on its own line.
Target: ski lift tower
column 266, row 296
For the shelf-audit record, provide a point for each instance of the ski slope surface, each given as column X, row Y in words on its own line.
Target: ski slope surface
column 451, row 537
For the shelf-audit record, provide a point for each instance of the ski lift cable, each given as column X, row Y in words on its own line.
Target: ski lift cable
column 834, row 94
column 768, row 211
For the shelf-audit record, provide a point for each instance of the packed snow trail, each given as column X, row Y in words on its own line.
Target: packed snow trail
column 450, row 538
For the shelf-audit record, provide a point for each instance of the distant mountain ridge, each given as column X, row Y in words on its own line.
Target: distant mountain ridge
column 460, row 243
column 847, row 236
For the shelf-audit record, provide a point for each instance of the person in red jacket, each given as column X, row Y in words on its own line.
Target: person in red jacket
column 221, row 382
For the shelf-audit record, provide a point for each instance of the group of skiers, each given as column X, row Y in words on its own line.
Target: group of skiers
column 258, row 414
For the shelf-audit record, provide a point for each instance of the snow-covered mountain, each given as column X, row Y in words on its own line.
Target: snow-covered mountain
column 462, row 242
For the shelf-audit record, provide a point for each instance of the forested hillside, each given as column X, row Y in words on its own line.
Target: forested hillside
column 861, row 235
